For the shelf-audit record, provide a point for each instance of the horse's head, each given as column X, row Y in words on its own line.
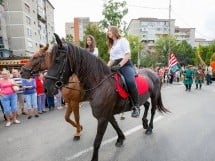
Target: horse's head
column 59, row 70
column 37, row 63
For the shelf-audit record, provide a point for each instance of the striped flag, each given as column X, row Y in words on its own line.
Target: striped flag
column 173, row 63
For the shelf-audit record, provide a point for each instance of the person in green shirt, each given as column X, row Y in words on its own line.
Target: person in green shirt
column 188, row 77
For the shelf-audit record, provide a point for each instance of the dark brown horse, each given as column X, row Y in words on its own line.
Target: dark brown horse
column 72, row 94
column 97, row 81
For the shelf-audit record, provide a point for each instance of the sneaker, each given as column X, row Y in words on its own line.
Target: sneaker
column 29, row 117
column 36, row 115
column 16, row 122
column 24, row 113
column 59, row 108
column 8, row 124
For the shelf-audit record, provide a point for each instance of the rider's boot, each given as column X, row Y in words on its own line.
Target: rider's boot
column 135, row 103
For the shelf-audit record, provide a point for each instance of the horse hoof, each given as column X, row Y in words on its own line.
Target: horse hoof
column 145, row 124
column 148, row 132
column 119, row 143
column 76, row 138
column 122, row 118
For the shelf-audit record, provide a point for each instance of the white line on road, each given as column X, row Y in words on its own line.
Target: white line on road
column 127, row 133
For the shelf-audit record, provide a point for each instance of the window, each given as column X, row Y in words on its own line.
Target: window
column 29, row 44
column 29, row 32
column 27, row 8
column 28, row 20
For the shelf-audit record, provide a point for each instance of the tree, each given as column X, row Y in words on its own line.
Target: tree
column 184, row 53
column 136, row 46
column 113, row 13
column 69, row 38
column 162, row 48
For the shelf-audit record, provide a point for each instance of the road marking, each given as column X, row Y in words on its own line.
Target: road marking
column 126, row 133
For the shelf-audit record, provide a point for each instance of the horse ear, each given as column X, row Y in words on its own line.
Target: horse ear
column 57, row 38
column 46, row 47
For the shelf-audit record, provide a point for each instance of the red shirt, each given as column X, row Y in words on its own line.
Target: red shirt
column 39, row 85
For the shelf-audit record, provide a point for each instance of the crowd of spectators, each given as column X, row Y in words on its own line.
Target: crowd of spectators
column 19, row 96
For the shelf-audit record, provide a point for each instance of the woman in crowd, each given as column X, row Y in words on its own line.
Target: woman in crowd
column 8, row 98
column 30, row 95
column 90, row 45
column 41, row 97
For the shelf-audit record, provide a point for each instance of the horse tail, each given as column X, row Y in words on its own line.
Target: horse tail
column 160, row 105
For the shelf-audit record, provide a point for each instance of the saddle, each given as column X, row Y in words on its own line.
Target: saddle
column 121, row 87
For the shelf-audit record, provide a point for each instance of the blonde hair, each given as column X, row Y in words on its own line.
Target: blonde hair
column 4, row 71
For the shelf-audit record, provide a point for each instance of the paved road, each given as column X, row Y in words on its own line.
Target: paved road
column 186, row 134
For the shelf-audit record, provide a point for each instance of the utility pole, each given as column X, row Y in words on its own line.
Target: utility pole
column 169, row 48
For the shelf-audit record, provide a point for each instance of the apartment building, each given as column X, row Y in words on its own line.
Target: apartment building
column 187, row 34
column 202, row 42
column 29, row 24
column 150, row 29
column 77, row 28
column 4, row 48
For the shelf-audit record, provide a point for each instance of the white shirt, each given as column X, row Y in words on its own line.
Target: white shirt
column 95, row 52
column 119, row 49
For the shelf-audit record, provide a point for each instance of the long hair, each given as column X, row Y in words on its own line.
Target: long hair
column 116, row 33
column 92, row 46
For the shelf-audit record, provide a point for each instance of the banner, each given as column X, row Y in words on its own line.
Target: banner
column 173, row 63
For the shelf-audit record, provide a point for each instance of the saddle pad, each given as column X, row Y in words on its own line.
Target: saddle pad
column 141, row 82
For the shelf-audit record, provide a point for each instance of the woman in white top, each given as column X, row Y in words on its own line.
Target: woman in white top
column 120, row 60
column 90, row 45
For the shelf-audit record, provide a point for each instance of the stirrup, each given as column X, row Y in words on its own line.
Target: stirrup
column 135, row 111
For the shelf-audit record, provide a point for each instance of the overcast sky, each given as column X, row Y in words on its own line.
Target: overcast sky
column 199, row 14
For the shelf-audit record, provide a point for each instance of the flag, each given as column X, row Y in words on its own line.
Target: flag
column 173, row 63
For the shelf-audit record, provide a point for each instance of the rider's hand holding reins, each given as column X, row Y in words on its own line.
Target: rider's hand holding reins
column 115, row 68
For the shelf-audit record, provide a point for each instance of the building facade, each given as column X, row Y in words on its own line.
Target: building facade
column 25, row 25
column 151, row 29
column 29, row 24
column 77, row 27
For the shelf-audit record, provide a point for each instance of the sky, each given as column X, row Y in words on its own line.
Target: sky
column 198, row 14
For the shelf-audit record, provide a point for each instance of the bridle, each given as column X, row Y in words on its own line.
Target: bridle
column 59, row 78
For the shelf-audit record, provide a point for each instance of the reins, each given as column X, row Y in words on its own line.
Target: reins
column 90, row 89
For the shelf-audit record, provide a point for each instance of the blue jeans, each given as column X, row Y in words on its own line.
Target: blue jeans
column 129, row 74
column 41, row 102
column 50, row 102
column 31, row 100
column 9, row 103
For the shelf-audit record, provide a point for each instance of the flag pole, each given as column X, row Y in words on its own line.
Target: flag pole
column 169, row 48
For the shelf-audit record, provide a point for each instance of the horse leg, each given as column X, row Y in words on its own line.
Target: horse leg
column 68, row 113
column 77, row 120
column 144, row 119
column 121, row 136
column 149, row 129
column 101, row 128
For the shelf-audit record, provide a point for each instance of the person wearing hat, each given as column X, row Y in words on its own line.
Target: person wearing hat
column 199, row 77
column 188, row 77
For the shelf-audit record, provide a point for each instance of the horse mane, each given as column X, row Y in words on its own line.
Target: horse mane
column 83, row 63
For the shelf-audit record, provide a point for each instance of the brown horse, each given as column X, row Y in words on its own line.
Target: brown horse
column 97, row 81
column 72, row 93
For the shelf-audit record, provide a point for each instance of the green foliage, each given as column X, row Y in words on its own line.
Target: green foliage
column 136, row 46
column 184, row 53
column 162, row 48
column 69, row 38
column 113, row 13
column 150, row 60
